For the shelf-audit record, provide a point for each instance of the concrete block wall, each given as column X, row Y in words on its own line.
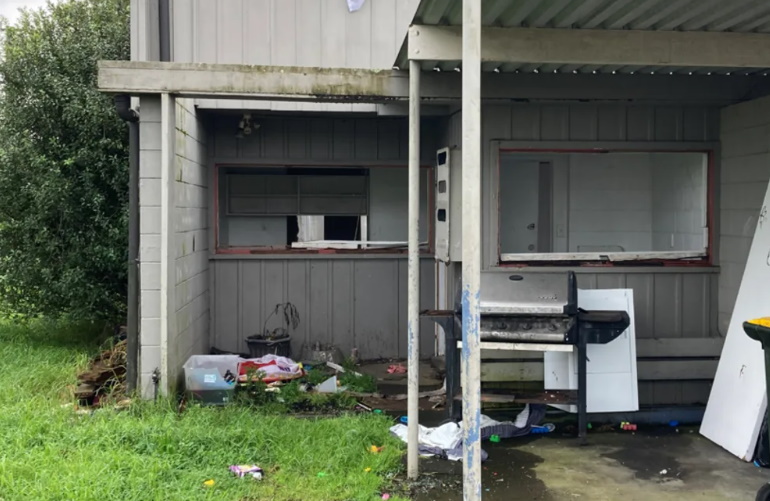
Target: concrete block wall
column 744, row 173
column 149, row 244
column 191, row 326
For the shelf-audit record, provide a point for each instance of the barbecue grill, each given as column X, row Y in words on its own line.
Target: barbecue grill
column 530, row 312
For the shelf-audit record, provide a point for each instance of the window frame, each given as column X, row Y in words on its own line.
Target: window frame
column 214, row 200
column 598, row 259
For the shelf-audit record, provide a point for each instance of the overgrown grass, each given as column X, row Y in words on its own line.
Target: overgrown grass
column 151, row 452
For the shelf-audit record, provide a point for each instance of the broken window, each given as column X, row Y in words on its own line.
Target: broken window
column 610, row 206
column 315, row 207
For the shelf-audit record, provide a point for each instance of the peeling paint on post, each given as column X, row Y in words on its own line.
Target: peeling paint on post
column 413, row 309
column 471, row 250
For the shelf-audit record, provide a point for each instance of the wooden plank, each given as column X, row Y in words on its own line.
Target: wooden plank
column 596, row 256
column 659, row 370
column 669, row 370
column 488, row 345
column 596, row 47
column 679, row 347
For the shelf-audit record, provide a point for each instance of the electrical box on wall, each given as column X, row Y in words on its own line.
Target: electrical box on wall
column 448, row 214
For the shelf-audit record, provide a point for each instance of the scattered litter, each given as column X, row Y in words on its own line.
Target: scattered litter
column 386, row 496
column 396, row 369
column 106, row 374
column 64, row 406
column 589, row 426
column 270, row 368
column 541, row 429
column 445, row 441
column 340, row 368
column 363, row 408
column 243, row 470
column 378, row 411
column 331, row 385
column 367, row 469
column 494, row 438
column 664, row 471
column 625, row 425
column 404, row 419
column 673, row 423
column 209, row 483
column 374, row 449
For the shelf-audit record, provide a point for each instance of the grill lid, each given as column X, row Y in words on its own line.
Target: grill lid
column 528, row 294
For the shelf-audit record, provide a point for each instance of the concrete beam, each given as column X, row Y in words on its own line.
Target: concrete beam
column 596, row 47
column 276, row 83
column 200, row 80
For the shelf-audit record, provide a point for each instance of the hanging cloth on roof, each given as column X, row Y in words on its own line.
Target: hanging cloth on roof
column 355, row 5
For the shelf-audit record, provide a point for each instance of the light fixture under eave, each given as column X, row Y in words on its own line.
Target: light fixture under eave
column 246, row 126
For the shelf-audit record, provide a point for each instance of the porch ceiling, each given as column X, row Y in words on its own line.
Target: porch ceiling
column 737, row 16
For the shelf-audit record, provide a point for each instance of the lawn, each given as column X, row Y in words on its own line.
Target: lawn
column 150, row 451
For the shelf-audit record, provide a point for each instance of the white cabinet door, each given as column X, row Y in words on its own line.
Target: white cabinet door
column 611, row 368
column 738, row 397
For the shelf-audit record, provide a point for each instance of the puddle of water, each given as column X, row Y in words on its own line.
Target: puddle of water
column 507, row 474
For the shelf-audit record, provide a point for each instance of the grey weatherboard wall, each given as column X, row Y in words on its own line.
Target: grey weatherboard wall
column 315, row 33
column 345, row 300
column 671, row 303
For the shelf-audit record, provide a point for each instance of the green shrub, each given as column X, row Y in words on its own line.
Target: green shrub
column 63, row 163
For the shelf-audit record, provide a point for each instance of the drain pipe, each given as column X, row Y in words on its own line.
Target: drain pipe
column 123, row 108
column 164, row 30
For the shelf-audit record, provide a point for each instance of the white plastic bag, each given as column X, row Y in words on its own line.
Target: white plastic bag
column 355, row 5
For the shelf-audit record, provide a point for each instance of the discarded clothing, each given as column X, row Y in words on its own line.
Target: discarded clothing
column 270, row 368
column 445, row 441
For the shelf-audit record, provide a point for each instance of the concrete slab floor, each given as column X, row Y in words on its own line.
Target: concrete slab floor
column 659, row 465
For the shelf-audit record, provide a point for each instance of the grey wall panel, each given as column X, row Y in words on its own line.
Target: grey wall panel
column 294, row 32
column 356, row 302
column 376, row 326
column 315, row 33
column 744, row 173
column 226, row 303
column 665, row 304
column 313, row 140
column 144, row 30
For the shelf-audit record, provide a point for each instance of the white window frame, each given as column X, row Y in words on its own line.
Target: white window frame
column 545, row 149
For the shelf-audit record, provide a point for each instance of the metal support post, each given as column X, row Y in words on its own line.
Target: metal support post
column 471, row 247
column 582, row 354
column 413, row 310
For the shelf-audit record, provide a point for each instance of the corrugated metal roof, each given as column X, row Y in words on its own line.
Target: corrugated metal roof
column 742, row 16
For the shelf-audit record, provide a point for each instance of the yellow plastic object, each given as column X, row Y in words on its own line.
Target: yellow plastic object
column 209, row 483
column 762, row 321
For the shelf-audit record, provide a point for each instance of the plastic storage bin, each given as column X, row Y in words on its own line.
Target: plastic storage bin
column 205, row 378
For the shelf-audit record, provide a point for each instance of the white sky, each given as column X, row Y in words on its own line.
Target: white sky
column 10, row 8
